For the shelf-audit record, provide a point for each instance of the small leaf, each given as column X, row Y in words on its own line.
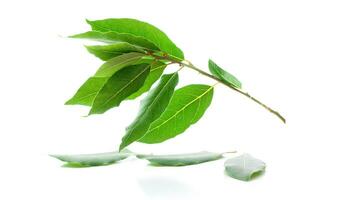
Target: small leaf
column 87, row 92
column 117, row 63
column 88, row 160
column 223, row 75
column 151, row 108
column 156, row 70
column 114, row 37
column 187, row 106
column 106, row 52
column 244, row 167
column 118, row 87
column 181, row 159
column 138, row 28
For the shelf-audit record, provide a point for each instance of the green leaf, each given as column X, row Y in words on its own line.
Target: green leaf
column 156, row 71
column 138, row 28
column 151, row 108
column 87, row 92
column 114, row 37
column 118, row 87
column 115, row 64
column 187, row 106
column 181, row 159
column 244, row 167
column 88, row 160
column 223, row 75
column 106, row 52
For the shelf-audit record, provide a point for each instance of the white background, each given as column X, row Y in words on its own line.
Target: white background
column 289, row 54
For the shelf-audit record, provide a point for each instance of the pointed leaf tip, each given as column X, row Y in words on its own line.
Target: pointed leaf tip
column 223, row 74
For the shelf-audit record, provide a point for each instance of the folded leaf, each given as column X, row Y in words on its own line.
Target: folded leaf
column 138, row 28
column 244, row 167
column 156, row 70
column 113, row 37
column 118, row 87
column 181, row 159
column 115, row 64
column 152, row 106
column 87, row 92
column 106, row 52
column 88, row 160
column 187, row 106
column 223, row 75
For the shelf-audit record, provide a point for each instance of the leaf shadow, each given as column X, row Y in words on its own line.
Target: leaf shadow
column 79, row 165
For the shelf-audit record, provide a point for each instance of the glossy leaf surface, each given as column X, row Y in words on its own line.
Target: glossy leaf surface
column 87, row 92
column 138, row 28
column 114, row 37
column 117, row 63
column 187, row 106
column 152, row 106
column 106, row 52
column 118, row 87
column 223, row 75
column 156, row 70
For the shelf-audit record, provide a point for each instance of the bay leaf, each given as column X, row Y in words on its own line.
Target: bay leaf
column 151, row 107
column 244, row 167
column 115, row 37
column 118, row 87
column 138, row 28
column 117, row 63
column 156, row 70
column 187, row 106
column 106, row 52
column 181, row 159
column 223, row 75
column 88, row 160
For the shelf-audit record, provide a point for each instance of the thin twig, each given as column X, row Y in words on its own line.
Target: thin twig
column 191, row 66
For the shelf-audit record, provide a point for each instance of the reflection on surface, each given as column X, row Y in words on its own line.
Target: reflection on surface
column 165, row 188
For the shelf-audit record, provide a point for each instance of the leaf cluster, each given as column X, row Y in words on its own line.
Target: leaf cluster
column 135, row 55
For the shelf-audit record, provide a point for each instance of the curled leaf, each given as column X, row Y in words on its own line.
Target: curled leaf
column 88, row 160
column 181, row 159
column 244, row 167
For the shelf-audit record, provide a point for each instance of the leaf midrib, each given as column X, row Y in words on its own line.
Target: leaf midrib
column 152, row 103
column 121, row 62
column 182, row 109
column 114, row 95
